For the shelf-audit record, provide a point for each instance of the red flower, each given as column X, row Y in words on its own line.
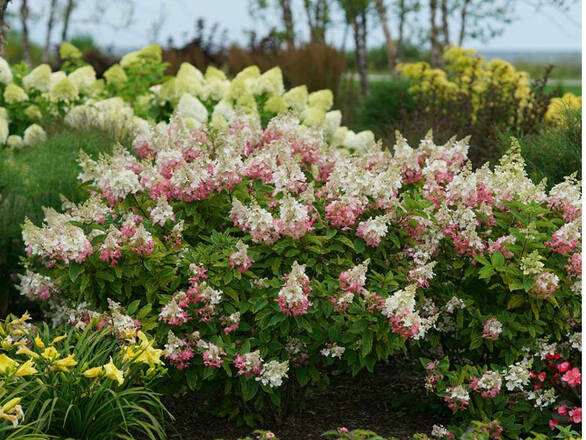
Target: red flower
column 576, row 415
column 563, row 410
column 573, row 377
column 563, row 367
column 553, row 423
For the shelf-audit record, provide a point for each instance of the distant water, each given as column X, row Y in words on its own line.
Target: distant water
column 545, row 57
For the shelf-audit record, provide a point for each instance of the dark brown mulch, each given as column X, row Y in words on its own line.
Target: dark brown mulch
column 391, row 401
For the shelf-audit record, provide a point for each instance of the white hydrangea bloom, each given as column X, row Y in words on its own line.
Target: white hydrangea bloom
column 38, row 79
column 273, row 373
column 33, row 135
column 5, row 72
column 190, row 106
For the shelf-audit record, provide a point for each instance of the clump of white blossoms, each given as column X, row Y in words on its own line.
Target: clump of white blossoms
column 273, row 373
column 518, row 375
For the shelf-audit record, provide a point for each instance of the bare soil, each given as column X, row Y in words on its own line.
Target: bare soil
column 390, row 401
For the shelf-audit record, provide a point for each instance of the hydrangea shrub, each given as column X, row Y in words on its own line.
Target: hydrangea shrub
column 263, row 257
column 136, row 91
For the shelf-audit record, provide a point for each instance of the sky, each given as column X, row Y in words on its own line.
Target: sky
column 548, row 29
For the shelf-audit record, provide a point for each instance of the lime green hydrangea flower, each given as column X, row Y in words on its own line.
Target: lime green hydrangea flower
column 34, row 135
column 150, row 53
column 38, row 79
column 64, row 90
column 214, row 73
column 5, row 72
column 323, row 99
column 219, row 122
column 189, row 106
column 333, row 122
column 14, row 141
column 275, row 104
column 3, row 131
column 270, row 82
column 246, row 104
column 83, row 78
column 296, row 98
column 68, row 51
column 14, row 93
column 116, row 75
column 313, row 116
column 33, row 112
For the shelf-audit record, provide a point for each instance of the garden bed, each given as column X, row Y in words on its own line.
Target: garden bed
column 391, row 401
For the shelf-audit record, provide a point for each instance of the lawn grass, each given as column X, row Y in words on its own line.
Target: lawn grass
column 560, row 88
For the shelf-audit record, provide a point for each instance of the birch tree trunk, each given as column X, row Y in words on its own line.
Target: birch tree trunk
column 463, row 17
column 3, row 6
column 435, row 44
column 66, row 17
column 287, row 17
column 389, row 45
column 50, row 22
column 317, row 19
column 445, row 24
column 402, row 15
column 359, row 27
column 25, row 45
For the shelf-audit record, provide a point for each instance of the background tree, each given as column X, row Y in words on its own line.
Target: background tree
column 258, row 8
column 318, row 19
column 356, row 12
column 25, row 44
column 69, row 7
column 436, row 48
column 3, row 25
column 50, row 23
column 390, row 47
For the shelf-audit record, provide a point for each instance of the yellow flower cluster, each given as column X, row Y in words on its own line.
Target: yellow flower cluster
column 467, row 74
column 558, row 108
column 24, row 353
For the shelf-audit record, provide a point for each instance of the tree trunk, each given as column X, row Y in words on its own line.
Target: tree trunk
column 435, row 44
column 288, row 23
column 25, row 46
column 402, row 15
column 50, row 21
column 66, row 17
column 3, row 6
column 359, row 26
column 317, row 19
column 463, row 17
column 445, row 25
column 389, row 45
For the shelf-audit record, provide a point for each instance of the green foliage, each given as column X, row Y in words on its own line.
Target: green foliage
column 35, row 177
column 387, row 103
column 554, row 152
column 59, row 401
